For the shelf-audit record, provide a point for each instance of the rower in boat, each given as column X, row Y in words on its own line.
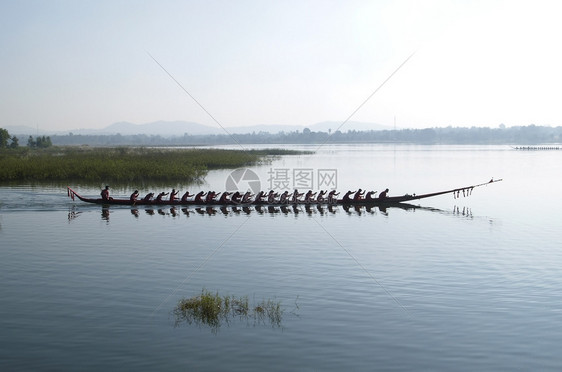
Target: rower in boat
column 260, row 196
column 224, row 198
column 333, row 197
column 383, row 194
column 236, row 197
column 173, row 195
column 160, row 196
column 148, row 196
column 370, row 195
column 309, row 197
column 211, row 197
column 358, row 195
column 347, row 197
column 134, row 196
column 185, row 196
column 320, row 197
column 199, row 197
column 105, row 194
column 271, row 195
column 247, row 198
column 296, row 196
column 284, row 197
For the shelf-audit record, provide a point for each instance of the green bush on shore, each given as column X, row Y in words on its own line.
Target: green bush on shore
column 122, row 164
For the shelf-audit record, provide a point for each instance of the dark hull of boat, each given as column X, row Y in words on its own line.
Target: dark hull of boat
column 388, row 201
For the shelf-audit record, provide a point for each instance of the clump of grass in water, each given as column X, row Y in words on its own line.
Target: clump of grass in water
column 269, row 310
column 208, row 309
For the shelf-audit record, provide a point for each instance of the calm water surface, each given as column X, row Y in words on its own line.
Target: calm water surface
column 455, row 284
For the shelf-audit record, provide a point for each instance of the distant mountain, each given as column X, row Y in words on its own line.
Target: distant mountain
column 19, row 130
column 333, row 126
column 264, row 128
column 179, row 128
column 318, row 127
column 163, row 128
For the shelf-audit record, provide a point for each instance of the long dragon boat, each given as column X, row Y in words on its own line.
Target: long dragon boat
column 378, row 201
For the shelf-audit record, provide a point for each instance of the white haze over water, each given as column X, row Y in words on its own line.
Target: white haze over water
column 67, row 65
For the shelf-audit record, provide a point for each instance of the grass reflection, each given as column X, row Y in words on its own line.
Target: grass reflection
column 213, row 310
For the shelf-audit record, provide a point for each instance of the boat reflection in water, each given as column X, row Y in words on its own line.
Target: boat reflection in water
column 311, row 210
column 273, row 210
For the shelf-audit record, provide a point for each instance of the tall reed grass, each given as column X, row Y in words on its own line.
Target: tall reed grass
column 212, row 310
column 122, row 164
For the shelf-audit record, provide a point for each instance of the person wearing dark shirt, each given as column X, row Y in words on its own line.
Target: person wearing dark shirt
column 296, row 196
column 383, row 194
column 309, row 197
column 211, row 195
column 370, row 195
column 359, row 195
column 224, row 197
column 271, row 195
column 160, row 196
column 247, row 198
column 284, row 198
column 199, row 197
column 236, row 197
column 134, row 196
column 333, row 196
column 347, row 197
column 260, row 196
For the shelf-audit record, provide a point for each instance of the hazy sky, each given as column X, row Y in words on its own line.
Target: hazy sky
column 85, row 64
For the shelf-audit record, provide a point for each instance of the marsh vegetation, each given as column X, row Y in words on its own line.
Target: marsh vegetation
column 123, row 164
column 213, row 310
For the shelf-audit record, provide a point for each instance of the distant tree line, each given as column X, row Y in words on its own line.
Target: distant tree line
column 40, row 142
column 8, row 141
column 517, row 135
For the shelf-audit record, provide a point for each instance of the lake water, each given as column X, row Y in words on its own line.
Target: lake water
column 468, row 283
